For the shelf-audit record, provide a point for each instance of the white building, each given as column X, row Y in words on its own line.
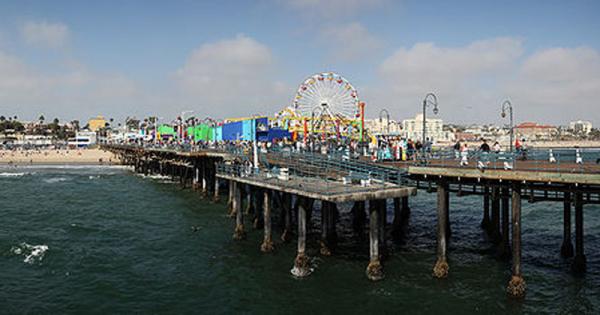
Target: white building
column 413, row 129
column 83, row 139
column 383, row 126
column 580, row 126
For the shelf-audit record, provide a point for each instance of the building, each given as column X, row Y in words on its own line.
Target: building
column 580, row 127
column 83, row 139
column 413, row 129
column 534, row 131
column 96, row 123
column 383, row 126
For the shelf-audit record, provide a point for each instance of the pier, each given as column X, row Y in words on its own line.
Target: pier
column 294, row 184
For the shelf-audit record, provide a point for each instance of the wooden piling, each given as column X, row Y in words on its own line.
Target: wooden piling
column 448, row 228
column 516, row 285
column 495, row 226
column 239, row 233
column 267, row 244
column 286, row 210
column 359, row 217
column 302, row 263
column 440, row 270
column 383, row 249
column 579, row 262
column 325, row 226
column 216, row 196
column 230, row 201
column 504, row 247
column 485, row 222
column 566, row 249
column 374, row 269
column 397, row 223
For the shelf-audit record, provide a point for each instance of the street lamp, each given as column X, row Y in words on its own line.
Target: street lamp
column 507, row 105
column 181, row 124
column 430, row 99
column 387, row 122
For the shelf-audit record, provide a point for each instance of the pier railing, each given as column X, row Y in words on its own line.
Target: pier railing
column 572, row 160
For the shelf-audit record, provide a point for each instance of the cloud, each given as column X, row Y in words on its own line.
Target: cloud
column 350, row 42
column 332, row 8
column 231, row 77
column 464, row 78
column 558, row 84
column 75, row 92
column 45, row 34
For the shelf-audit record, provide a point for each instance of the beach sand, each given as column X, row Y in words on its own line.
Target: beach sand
column 58, row 157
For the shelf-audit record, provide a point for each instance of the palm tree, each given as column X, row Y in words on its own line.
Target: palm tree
column 2, row 118
column 41, row 119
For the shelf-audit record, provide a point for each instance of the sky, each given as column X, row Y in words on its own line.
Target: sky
column 221, row 59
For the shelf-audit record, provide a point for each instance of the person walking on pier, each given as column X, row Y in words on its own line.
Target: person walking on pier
column 496, row 147
column 464, row 155
column 457, row 147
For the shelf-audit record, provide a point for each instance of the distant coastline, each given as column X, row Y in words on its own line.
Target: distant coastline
column 58, row 157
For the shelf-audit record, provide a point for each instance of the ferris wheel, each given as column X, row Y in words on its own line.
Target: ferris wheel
column 327, row 94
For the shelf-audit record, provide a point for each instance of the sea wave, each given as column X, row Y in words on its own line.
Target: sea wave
column 9, row 174
column 156, row 177
column 54, row 180
column 32, row 253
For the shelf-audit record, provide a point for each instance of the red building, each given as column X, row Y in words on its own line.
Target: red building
column 534, row 131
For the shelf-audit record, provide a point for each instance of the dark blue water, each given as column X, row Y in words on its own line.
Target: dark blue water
column 102, row 240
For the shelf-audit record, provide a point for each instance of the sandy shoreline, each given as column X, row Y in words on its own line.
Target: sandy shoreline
column 58, row 157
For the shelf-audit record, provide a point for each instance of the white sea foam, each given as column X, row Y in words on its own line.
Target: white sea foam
column 32, row 253
column 54, row 180
column 8, row 174
column 156, row 177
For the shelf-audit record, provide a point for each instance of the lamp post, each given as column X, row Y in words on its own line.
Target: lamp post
column 430, row 99
column 181, row 124
column 387, row 122
column 507, row 105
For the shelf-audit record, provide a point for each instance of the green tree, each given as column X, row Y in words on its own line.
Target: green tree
column 41, row 119
column 2, row 118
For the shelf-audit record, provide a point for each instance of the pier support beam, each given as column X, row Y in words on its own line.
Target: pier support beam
column 397, row 223
column 516, row 285
column 566, row 250
column 374, row 269
column 203, row 179
column 302, row 263
column 448, row 228
column 383, row 250
column 401, row 214
column 328, row 235
column 579, row 261
column 495, row 225
column 216, row 197
column 230, row 201
column 239, row 233
column 359, row 217
column 286, row 211
column 267, row 244
column 196, row 178
column 485, row 222
column 440, row 270
column 504, row 248
column 250, row 195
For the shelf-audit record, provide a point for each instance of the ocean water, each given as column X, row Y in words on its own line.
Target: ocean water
column 102, row 240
